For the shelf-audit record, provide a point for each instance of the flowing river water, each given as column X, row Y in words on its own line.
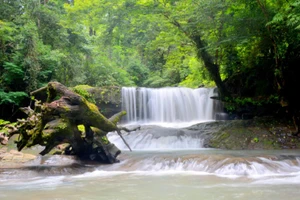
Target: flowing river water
column 183, row 170
column 166, row 163
column 170, row 174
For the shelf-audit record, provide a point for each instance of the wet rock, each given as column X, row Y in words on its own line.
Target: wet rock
column 258, row 133
column 14, row 158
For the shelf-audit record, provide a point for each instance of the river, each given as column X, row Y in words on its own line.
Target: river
column 167, row 163
column 150, row 173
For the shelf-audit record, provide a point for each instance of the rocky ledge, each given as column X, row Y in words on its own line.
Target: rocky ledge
column 263, row 133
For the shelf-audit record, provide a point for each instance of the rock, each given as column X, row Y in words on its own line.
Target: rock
column 258, row 133
column 108, row 99
column 14, row 158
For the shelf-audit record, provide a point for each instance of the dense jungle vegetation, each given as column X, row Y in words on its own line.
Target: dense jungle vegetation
column 249, row 49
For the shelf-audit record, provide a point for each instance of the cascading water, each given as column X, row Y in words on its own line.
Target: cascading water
column 158, row 138
column 170, row 108
column 166, row 162
column 216, row 163
column 168, row 105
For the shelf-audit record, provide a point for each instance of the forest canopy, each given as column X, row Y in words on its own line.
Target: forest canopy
column 249, row 49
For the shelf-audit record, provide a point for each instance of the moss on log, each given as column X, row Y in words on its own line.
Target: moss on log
column 61, row 119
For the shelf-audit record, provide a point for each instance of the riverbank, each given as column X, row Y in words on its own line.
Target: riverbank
column 259, row 133
column 11, row 158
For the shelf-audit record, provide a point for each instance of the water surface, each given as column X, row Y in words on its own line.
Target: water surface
column 185, row 174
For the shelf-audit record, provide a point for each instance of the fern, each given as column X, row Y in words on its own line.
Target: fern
column 12, row 72
column 12, row 97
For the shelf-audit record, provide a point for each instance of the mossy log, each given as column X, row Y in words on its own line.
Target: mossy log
column 67, row 117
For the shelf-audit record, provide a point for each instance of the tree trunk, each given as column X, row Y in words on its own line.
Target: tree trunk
column 212, row 68
column 202, row 54
column 67, row 117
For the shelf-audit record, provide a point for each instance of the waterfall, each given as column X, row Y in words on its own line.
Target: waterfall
column 152, row 137
column 169, row 105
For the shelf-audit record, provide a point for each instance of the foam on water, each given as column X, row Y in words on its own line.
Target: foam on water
column 255, row 168
column 158, row 138
column 34, row 182
column 150, row 142
column 279, row 180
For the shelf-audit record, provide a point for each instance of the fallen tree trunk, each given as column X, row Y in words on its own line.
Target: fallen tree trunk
column 67, row 117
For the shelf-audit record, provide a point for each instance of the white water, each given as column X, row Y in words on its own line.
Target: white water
column 170, row 105
column 153, row 137
column 166, row 151
column 168, row 175
column 166, row 169
column 166, row 164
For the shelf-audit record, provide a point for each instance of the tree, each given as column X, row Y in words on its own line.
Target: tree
column 67, row 117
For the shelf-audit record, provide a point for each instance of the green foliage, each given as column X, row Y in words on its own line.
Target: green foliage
column 12, row 73
column 12, row 97
column 138, row 73
column 3, row 122
column 197, row 75
column 156, row 81
column 232, row 104
column 3, row 128
column 7, row 29
column 253, row 44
